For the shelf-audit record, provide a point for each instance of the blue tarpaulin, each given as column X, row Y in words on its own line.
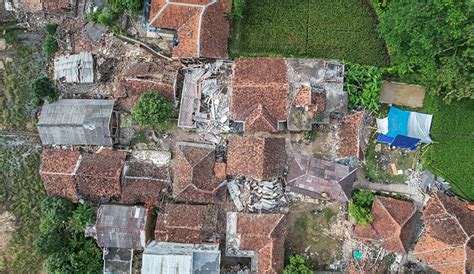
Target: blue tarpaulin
column 405, row 142
column 397, row 122
column 382, row 138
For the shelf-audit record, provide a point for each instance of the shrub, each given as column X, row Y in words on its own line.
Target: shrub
column 363, row 85
column 297, row 265
column 361, row 205
column 51, row 29
column 82, row 216
column 238, row 9
column 51, row 242
column 56, row 209
column 43, row 88
column 50, row 46
column 106, row 17
column 129, row 6
column 153, row 110
column 309, row 136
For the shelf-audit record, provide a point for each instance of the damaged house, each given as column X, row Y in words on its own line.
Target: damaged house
column 311, row 177
column 79, row 122
column 259, row 237
column 205, row 99
column 164, row 257
column 74, row 68
column 35, row 6
column 315, row 91
column 146, row 176
column 259, row 95
column 198, row 29
column 257, row 165
column 137, row 78
column 119, row 231
column 447, row 242
column 393, row 225
column 196, row 175
column 72, row 175
column 184, row 223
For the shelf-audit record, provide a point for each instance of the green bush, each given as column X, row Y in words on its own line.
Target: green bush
column 363, row 84
column 361, row 206
column 433, row 38
column 238, row 9
column 130, row 7
column 297, row 265
column 57, row 210
column 50, row 46
column 153, row 110
column 44, row 89
column 83, row 215
column 51, row 29
column 309, row 135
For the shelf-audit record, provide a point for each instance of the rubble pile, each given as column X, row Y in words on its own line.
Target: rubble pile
column 256, row 196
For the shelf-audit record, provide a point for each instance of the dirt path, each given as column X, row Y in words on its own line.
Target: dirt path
column 416, row 195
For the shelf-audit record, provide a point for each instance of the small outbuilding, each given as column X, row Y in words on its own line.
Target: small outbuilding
column 79, row 122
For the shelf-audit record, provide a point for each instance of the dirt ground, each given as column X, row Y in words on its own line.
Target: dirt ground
column 7, row 227
column 402, row 94
column 312, row 233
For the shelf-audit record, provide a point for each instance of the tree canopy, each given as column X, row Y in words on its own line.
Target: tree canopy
column 434, row 40
column 153, row 110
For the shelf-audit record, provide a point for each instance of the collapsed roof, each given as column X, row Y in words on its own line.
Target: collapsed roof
column 311, row 176
column 259, row 94
column 121, row 226
column 447, row 244
column 165, row 257
column 257, row 157
column 77, row 122
column 260, row 237
column 393, row 225
column 194, row 177
column 42, row 5
column 181, row 223
column 146, row 176
column 202, row 26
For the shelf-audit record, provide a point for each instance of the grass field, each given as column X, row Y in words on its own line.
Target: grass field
column 452, row 154
column 343, row 30
column 21, row 192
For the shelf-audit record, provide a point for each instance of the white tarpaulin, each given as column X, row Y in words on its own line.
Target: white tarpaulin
column 382, row 125
column 419, row 125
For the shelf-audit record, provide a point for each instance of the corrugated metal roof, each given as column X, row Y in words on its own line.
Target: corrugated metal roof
column 121, row 226
column 76, row 122
column 77, row 68
column 164, row 258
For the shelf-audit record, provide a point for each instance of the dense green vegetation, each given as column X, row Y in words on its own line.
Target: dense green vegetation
column 130, row 7
column 361, row 205
column 50, row 45
column 44, row 90
column 451, row 156
column 62, row 241
column 17, row 100
column 21, row 192
column 297, row 265
column 343, row 30
column 363, row 84
column 434, row 40
column 153, row 111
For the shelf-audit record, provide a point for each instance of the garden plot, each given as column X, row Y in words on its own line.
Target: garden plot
column 343, row 30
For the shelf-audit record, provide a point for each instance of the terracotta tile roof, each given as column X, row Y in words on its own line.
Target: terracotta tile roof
column 193, row 171
column 99, row 174
column 262, row 84
column 311, row 176
column 256, row 157
column 393, row 224
column 31, row 5
column 350, row 134
column 447, row 243
column 57, row 171
column 187, row 224
column 202, row 26
column 265, row 234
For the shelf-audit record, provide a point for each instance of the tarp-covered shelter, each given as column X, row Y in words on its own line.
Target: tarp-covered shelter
column 79, row 122
column 404, row 129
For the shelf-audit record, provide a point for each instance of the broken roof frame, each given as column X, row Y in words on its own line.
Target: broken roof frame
column 75, row 68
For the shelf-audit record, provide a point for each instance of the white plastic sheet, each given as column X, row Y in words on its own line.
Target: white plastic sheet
column 382, row 125
column 419, row 125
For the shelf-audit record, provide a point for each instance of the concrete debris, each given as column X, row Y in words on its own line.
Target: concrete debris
column 205, row 100
column 426, row 182
column 256, row 196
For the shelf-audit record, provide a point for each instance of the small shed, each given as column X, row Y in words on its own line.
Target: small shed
column 120, row 226
column 165, row 257
column 79, row 122
column 76, row 68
